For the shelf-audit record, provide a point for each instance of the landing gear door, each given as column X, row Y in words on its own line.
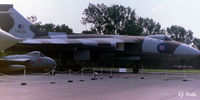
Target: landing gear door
column 132, row 47
column 82, row 55
column 128, row 47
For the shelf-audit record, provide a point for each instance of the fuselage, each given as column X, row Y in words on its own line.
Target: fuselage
column 150, row 46
column 157, row 44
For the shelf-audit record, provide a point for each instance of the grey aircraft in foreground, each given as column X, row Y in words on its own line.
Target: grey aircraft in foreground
column 91, row 47
column 32, row 62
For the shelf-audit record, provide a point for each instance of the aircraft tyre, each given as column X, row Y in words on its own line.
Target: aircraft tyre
column 135, row 70
column 137, row 67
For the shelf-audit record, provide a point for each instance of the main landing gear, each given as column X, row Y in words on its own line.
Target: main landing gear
column 136, row 68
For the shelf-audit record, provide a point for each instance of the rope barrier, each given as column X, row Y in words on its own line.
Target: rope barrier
column 76, row 72
column 42, row 75
column 9, row 76
column 85, row 70
column 62, row 71
column 15, row 77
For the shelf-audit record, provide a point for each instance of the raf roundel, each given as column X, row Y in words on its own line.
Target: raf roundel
column 161, row 48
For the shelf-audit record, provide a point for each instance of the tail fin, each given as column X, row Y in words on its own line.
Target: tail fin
column 14, row 23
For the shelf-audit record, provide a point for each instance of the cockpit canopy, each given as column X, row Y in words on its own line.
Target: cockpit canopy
column 160, row 37
column 36, row 54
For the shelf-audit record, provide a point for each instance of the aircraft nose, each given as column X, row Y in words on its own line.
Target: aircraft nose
column 53, row 63
column 185, row 50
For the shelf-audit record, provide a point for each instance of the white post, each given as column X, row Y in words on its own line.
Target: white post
column 82, row 75
column 24, row 77
column 52, row 75
column 126, row 74
column 111, row 71
column 166, row 74
column 24, row 73
column 142, row 77
column 70, row 76
column 184, row 75
column 93, row 78
column 52, row 82
column 111, row 76
column 101, row 73
column 82, row 72
column 70, row 73
column 94, row 72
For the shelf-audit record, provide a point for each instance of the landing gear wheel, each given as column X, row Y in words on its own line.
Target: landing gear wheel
column 137, row 67
column 135, row 70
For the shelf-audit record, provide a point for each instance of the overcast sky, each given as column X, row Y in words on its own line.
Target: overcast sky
column 167, row 12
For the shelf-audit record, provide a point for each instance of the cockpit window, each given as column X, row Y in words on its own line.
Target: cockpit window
column 160, row 37
column 41, row 55
column 36, row 54
column 167, row 38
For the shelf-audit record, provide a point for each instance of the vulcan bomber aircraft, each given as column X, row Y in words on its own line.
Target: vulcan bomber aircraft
column 33, row 62
column 78, row 48
column 7, row 40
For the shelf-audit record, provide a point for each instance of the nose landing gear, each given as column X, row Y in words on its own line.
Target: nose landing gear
column 53, row 72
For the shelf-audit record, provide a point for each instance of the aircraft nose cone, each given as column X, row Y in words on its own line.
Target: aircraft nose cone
column 185, row 50
column 53, row 63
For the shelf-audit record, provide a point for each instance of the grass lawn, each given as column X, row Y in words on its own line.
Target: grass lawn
column 173, row 70
column 152, row 70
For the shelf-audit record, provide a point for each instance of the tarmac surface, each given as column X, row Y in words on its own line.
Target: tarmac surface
column 152, row 87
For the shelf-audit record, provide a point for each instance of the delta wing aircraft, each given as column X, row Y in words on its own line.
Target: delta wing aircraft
column 33, row 62
column 91, row 47
column 7, row 40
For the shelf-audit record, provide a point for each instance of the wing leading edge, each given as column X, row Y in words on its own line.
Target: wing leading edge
column 89, row 42
column 14, row 61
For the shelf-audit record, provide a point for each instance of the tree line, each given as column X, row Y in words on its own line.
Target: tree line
column 121, row 20
column 49, row 27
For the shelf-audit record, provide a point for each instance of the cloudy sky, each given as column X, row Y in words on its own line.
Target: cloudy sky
column 167, row 12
